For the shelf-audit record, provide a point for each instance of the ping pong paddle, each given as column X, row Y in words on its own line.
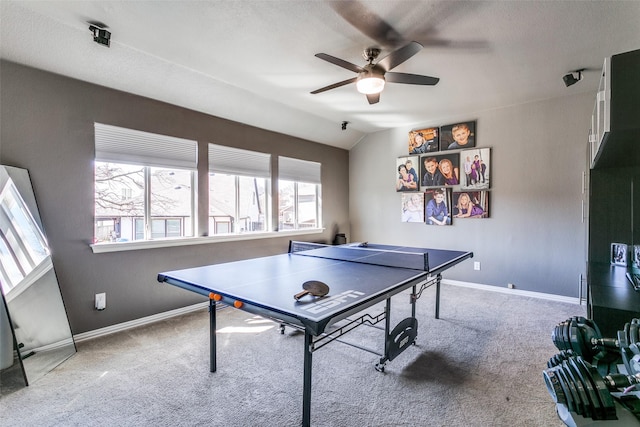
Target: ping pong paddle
column 314, row 288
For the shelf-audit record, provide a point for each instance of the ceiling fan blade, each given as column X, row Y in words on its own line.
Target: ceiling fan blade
column 397, row 57
column 373, row 98
column 367, row 22
column 340, row 62
column 412, row 79
column 335, row 85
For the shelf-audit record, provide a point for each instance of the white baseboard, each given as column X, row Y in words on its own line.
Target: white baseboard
column 184, row 310
column 138, row 322
column 541, row 295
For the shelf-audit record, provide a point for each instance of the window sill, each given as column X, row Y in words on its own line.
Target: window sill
column 187, row 241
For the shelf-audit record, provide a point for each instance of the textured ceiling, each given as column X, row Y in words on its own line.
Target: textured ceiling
column 253, row 61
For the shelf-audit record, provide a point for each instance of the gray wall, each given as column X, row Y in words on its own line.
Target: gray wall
column 46, row 126
column 535, row 237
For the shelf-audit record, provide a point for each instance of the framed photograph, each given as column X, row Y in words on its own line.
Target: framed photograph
column 635, row 258
column 424, row 141
column 438, row 206
column 440, row 170
column 470, row 204
column 458, row 135
column 475, row 168
column 619, row 254
column 406, row 175
column 413, row 207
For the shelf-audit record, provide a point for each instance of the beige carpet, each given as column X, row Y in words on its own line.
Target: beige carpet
column 479, row 365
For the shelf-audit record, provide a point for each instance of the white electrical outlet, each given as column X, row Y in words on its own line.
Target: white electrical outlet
column 511, row 286
column 101, row 301
column 476, row 265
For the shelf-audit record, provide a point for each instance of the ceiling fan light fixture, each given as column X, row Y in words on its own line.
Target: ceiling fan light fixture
column 370, row 79
column 370, row 84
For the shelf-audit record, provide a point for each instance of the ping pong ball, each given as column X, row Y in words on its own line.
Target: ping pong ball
column 237, row 304
column 215, row 297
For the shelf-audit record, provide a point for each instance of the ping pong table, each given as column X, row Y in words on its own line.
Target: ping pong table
column 359, row 276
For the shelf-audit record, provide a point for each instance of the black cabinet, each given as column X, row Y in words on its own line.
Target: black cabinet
column 610, row 210
column 615, row 125
column 612, row 300
column 614, row 217
column 614, row 193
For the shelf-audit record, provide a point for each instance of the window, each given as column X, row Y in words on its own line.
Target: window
column 146, row 192
column 144, row 185
column 23, row 247
column 299, row 191
column 238, row 190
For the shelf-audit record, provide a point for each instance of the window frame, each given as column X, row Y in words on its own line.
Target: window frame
column 237, row 217
column 271, row 203
column 201, row 240
column 296, row 206
column 299, row 172
column 147, row 218
column 238, row 163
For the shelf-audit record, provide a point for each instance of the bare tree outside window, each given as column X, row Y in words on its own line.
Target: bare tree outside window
column 119, row 190
column 121, row 194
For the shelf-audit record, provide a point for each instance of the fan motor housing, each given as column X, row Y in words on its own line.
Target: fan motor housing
column 370, row 54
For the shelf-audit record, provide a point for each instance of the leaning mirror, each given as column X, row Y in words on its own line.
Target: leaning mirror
column 35, row 335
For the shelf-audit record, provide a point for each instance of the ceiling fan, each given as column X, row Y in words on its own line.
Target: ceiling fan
column 372, row 77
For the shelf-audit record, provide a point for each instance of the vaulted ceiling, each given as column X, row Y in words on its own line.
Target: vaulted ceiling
column 253, row 61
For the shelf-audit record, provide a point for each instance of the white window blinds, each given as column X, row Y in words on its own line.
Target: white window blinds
column 299, row 170
column 234, row 161
column 120, row 145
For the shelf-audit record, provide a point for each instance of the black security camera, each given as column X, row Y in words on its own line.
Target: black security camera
column 100, row 35
column 570, row 79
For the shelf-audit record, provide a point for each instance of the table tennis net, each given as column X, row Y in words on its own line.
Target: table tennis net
column 363, row 255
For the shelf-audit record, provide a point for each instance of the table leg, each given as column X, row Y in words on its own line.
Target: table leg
column 438, row 279
column 212, row 335
column 413, row 301
column 306, row 387
column 387, row 328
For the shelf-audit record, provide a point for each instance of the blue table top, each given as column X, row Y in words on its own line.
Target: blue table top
column 266, row 285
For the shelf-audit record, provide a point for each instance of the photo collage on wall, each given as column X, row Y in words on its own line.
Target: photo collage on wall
column 446, row 175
